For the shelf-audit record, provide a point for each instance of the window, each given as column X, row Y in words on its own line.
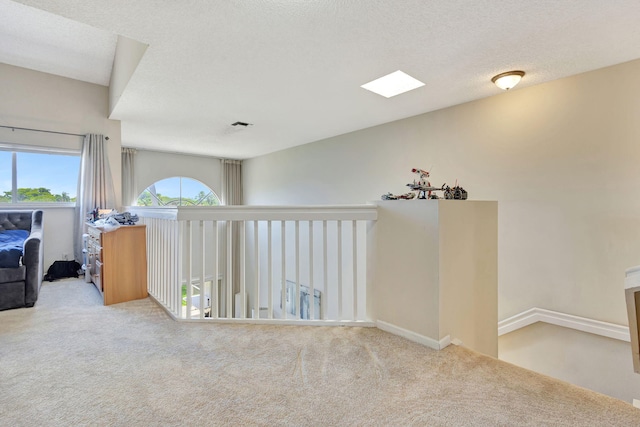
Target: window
column 38, row 176
column 178, row 191
column 5, row 176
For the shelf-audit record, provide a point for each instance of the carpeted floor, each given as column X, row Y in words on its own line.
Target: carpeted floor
column 71, row 361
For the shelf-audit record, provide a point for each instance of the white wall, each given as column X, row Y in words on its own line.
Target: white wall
column 128, row 54
column 32, row 99
column 605, row 367
column 436, row 271
column 561, row 159
column 152, row 166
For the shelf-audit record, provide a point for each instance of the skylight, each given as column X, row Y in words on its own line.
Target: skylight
column 393, row 84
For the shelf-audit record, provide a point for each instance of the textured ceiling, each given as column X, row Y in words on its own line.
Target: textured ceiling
column 293, row 68
column 32, row 38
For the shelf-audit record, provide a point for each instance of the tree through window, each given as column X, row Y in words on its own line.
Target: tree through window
column 178, row 191
column 38, row 175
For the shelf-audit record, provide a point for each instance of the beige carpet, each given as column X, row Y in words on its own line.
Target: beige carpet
column 71, row 361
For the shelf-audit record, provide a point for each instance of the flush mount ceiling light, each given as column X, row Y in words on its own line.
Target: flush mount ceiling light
column 507, row 80
column 393, row 84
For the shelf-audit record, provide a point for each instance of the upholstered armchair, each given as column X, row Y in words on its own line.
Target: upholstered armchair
column 21, row 260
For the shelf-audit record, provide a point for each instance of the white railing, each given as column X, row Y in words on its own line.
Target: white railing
column 262, row 264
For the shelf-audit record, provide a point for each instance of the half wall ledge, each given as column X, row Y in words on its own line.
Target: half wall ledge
column 436, row 272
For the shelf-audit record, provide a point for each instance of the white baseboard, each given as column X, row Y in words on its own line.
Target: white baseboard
column 578, row 323
column 518, row 321
column 162, row 306
column 413, row 336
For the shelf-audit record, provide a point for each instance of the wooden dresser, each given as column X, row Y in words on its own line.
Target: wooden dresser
column 118, row 262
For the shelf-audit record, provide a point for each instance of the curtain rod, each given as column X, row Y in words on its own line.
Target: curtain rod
column 45, row 131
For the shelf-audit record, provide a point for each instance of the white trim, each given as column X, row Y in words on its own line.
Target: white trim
column 447, row 341
column 260, row 213
column 632, row 277
column 153, row 212
column 281, row 322
column 413, row 336
column 287, row 213
column 23, row 148
column 518, row 321
column 21, row 206
column 592, row 326
column 162, row 306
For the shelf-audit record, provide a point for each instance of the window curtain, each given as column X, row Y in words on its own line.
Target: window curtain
column 95, row 185
column 232, row 195
column 231, row 182
column 129, row 190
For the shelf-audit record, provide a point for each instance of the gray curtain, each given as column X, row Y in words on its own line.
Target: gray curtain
column 129, row 190
column 95, row 185
column 232, row 195
column 231, row 182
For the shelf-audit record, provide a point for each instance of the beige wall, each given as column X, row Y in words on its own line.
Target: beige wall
column 32, row 99
column 561, row 158
column 406, row 290
column 468, row 273
column 128, row 54
column 436, row 271
column 591, row 361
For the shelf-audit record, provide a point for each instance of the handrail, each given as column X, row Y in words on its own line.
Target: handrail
column 297, row 262
column 259, row 213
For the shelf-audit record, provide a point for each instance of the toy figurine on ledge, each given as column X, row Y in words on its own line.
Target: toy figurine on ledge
column 455, row 193
column 422, row 187
column 407, row 196
column 424, row 190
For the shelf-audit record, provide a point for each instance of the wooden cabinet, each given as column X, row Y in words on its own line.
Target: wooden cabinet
column 118, row 262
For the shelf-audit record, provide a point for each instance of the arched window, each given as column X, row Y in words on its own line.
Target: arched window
column 178, row 191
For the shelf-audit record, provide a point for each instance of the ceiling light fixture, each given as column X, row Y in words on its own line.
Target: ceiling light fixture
column 507, row 80
column 393, row 84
